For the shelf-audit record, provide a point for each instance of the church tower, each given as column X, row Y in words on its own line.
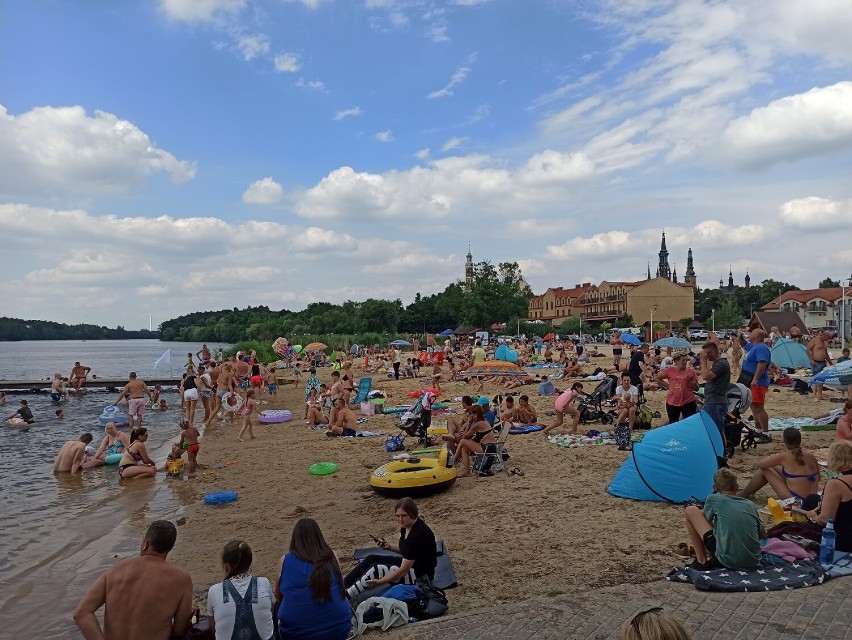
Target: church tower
column 747, row 280
column 663, row 270
column 674, row 273
column 468, row 270
column 730, row 278
column 689, row 278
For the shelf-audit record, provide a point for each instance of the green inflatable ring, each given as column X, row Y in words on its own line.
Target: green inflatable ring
column 322, row 468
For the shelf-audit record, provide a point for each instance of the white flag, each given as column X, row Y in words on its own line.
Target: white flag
column 166, row 358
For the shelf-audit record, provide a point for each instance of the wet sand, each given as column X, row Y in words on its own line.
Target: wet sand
column 552, row 531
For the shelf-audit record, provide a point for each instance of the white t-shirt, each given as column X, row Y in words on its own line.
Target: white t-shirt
column 225, row 614
column 630, row 394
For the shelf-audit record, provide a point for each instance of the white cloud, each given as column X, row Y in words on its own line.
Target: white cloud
column 817, row 214
column 794, row 127
column 438, row 34
column 311, row 85
column 470, row 3
column 264, row 191
column 453, row 143
column 348, row 113
column 384, row 136
column 553, row 167
column 310, row 4
column 457, row 78
column 287, row 63
column 199, row 10
column 54, row 150
column 422, row 154
column 253, row 45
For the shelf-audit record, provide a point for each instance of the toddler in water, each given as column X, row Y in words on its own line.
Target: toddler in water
column 155, row 396
column 162, row 406
column 245, row 412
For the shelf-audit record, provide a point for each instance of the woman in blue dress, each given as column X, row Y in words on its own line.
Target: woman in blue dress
column 310, row 588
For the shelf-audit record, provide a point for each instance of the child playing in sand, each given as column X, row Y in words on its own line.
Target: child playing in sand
column 297, row 375
column 272, row 381
column 248, row 408
column 189, row 440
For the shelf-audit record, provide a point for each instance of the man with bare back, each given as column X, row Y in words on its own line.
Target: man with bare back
column 136, row 404
column 819, row 357
column 78, row 375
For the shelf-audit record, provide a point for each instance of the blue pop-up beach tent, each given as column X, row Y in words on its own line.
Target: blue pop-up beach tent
column 789, row 354
column 673, row 463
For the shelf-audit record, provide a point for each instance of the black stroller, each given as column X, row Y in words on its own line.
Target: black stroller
column 411, row 422
column 737, row 432
column 591, row 404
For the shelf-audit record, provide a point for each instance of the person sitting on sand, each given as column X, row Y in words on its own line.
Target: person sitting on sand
column 526, row 412
column 72, row 454
column 416, row 546
column 479, row 433
column 792, row 473
column 345, row 421
column 844, row 423
column 509, row 412
column 628, row 400
column 563, row 405
column 135, row 453
column 189, row 440
column 458, row 424
column 114, row 442
column 837, row 496
column 727, row 532
column 146, row 598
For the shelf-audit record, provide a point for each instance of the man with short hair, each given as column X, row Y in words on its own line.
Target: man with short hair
column 136, row 403
column 57, row 387
column 479, row 354
column 72, row 454
column 146, row 597
column 345, row 421
column 526, row 412
column 638, row 365
column 820, row 358
column 756, row 364
column 716, row 373
column 78, row 375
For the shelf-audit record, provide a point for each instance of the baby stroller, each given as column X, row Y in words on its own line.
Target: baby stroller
column 411, row 422
column 591, row 404
column 737, row 432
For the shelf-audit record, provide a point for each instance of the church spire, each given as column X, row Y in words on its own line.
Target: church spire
column 468, row 269
column 690, row 270
column 674, row 273
column 663, row 270
column 649, row 271
column 730, row 277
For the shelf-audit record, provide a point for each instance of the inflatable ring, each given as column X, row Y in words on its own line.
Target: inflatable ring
column 113, row 458
column 220, row 497
column 232, row 408
column 275, row 416
column 322, row 468
column 414, row 477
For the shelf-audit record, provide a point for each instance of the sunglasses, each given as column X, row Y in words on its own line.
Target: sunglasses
column 637, row 619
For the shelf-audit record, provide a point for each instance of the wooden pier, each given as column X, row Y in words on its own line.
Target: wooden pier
column 100, row 384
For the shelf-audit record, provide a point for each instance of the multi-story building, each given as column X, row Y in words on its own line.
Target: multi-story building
column 816, row 307
column 660, row 298
column 558, row 304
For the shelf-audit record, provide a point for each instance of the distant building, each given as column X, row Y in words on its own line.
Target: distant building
column 468, row 269
column 731, row 288
column 557, row 304
column 664, row 271
column 815, row 307
column 660, row 297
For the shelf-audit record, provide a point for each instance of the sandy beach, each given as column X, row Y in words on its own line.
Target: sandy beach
column 551, row 531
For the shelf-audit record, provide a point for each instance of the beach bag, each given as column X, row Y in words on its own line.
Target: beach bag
column 643, row 420
column 432, row 602
column 201, row 629
column 394, row 444
column 622, row 435
column 745, row 378
column 368, row 409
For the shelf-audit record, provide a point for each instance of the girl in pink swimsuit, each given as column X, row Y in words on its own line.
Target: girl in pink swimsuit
column 245, row 412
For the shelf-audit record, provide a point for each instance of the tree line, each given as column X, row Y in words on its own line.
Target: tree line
column 14, row 329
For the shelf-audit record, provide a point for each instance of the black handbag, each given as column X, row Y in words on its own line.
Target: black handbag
column 745, row 378
column 432, row 604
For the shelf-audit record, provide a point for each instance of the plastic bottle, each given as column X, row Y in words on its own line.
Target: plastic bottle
column 826, row 546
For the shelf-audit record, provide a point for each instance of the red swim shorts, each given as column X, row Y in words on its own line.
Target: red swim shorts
column 256, row 380
column 758, row 394
column 193, row 449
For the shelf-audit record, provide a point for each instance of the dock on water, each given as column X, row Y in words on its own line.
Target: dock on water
column 108, row 384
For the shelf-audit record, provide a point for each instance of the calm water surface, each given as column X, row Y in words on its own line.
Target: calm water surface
column 59, row 532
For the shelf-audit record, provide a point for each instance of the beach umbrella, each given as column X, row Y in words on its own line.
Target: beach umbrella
column 315, row 346
column 549, row 336
column 280, row 346
column 629, row 338
column 838, row 375
column 673, row 341
column 400, row 343
column 497, row 368
column 298, row 348
column 447, row 332
column 789, row 354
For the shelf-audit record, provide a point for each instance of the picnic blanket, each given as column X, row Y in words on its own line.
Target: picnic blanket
column 779, row 424
column 842, row 565
column 792, row 575
column 573, row 441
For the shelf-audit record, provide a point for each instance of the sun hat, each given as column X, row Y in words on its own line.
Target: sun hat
column 483, row 401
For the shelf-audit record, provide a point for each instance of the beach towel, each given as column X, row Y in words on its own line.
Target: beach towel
column 842, row 565
column 779, row 424
column 574, row 441
column 803, row 573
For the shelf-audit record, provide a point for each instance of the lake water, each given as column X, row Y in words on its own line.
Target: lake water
column 59, row 532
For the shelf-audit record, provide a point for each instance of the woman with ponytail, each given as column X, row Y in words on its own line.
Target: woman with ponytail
column 240, row 607
column 792, row 473
column 310, row 588
column 135, row 462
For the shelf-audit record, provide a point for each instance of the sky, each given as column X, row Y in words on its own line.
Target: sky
column 162, row 157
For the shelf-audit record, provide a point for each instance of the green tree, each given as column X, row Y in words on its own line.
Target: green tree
column 685, row 322
column 728, row 315
column 624, row 320
column 828, row 283
column 496, row 295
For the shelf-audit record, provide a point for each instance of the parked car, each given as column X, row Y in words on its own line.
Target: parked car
column 698, row 334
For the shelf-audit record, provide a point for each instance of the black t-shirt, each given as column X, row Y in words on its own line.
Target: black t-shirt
column 634, row 369
column 716, row 390
column 26, row 414
column 189, row 383
column 420, row 547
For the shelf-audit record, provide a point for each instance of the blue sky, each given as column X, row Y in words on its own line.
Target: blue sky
column 177, row 155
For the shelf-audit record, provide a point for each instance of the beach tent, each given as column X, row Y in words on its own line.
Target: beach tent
column 789, row 354
column 673, row 463
column 446, row 332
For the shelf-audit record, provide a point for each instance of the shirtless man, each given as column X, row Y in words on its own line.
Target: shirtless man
column 204, row 355
column 457, row 425
column 57, row 387
column 241, row 372
column 335, row 394
column 136, row 404
column 345, row 422
column 78, row 375
column 819, row 357
column 146, row 597
column 72, row 454
column 526, row 412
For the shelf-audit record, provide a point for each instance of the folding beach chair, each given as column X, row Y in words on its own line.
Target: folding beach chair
column 491, row 458
column 364, row 386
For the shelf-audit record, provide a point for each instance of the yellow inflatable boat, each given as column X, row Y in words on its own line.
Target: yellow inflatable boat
column 414, row 477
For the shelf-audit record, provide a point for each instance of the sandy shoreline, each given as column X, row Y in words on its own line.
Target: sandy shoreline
column 552, row 531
